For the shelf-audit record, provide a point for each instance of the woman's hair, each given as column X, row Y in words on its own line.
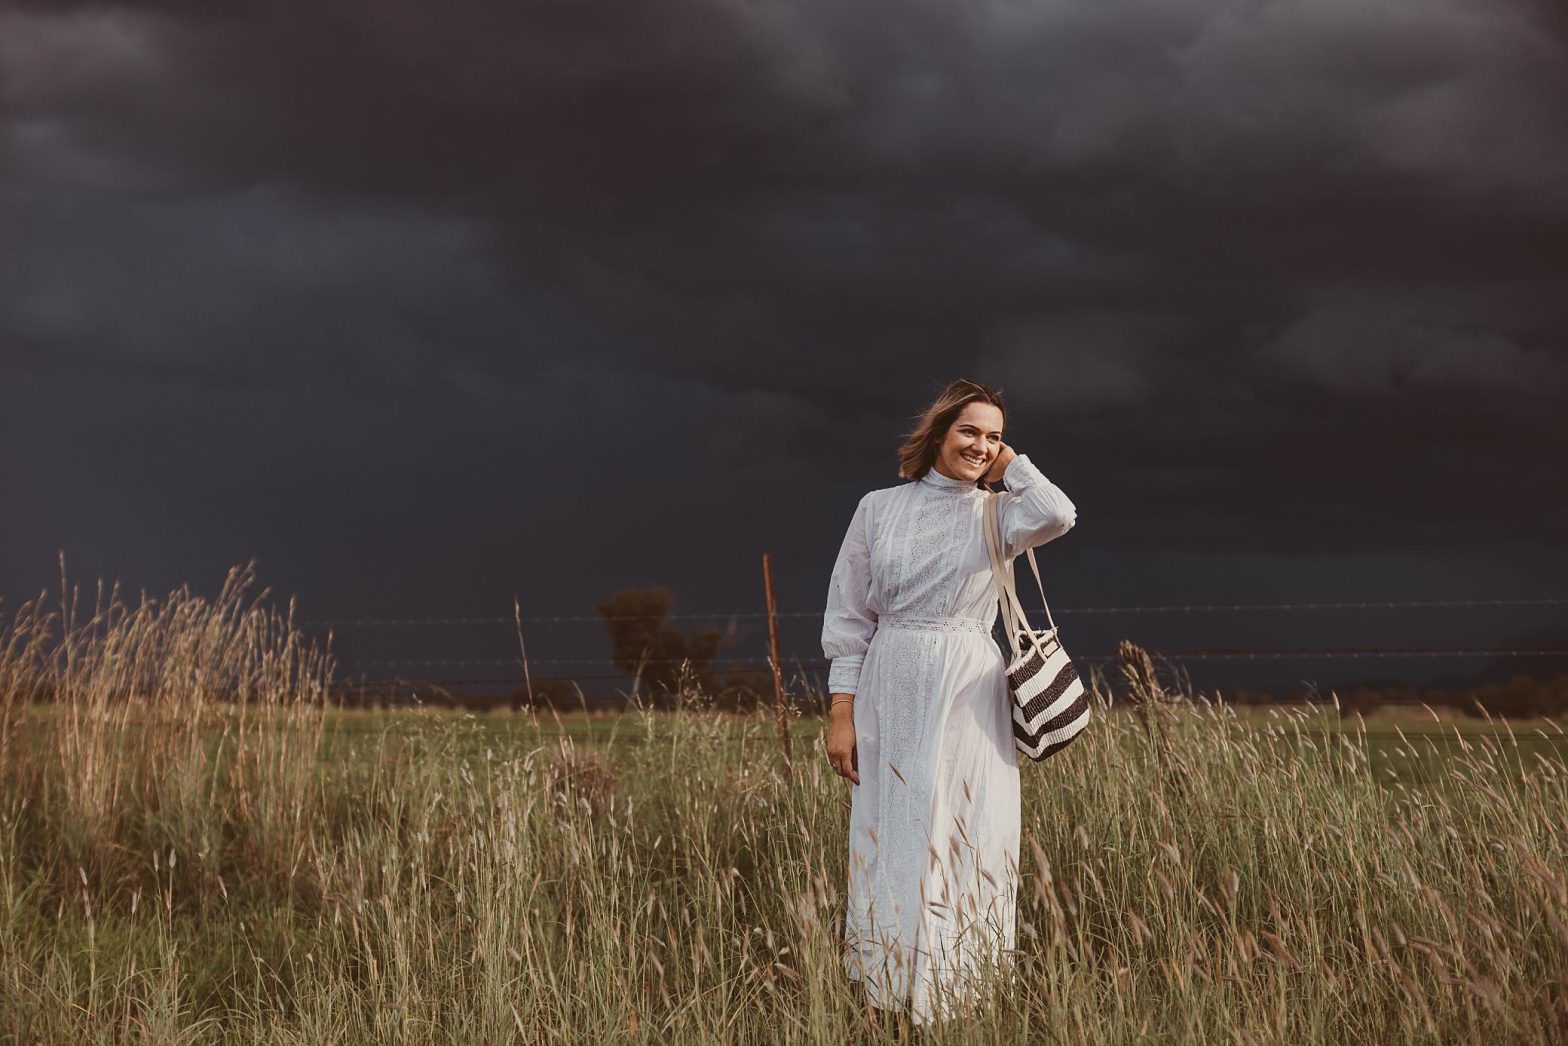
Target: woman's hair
column 918, row 451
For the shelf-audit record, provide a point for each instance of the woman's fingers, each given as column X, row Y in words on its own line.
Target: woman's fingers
column 846, row 765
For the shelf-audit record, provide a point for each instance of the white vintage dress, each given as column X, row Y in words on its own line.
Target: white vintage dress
column 934, row 821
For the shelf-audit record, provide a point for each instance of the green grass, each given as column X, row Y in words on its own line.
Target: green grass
column 506, row 878
column 1405, row 746
column 174, row 868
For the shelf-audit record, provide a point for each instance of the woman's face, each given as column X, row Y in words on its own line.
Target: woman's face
column 972, row 442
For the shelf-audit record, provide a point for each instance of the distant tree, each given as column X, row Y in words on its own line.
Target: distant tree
column 644, row 645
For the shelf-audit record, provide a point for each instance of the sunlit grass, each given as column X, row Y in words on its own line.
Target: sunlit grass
column 193, row 848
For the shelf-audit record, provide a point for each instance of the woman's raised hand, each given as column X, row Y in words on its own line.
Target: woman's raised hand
column 841, row 738
column 1003, row 458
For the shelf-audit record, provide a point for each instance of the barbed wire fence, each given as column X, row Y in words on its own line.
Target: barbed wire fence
column 410, row 672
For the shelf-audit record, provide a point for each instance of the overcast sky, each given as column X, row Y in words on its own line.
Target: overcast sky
column 426, row 305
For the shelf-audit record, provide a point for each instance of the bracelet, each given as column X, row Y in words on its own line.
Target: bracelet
column 849, row 699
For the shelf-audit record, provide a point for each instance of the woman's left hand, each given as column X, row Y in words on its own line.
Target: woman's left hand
column 1003, row 458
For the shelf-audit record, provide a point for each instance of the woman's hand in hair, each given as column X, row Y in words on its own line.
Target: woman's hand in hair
column 999, row 466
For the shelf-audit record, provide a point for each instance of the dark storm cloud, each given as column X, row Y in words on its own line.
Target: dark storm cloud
column 1266, row 277
column 1368, row 352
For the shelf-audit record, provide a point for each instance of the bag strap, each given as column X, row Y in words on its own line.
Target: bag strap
column 1013, row 616
column 1034, row 567
column 1012, row 606
column 998, row 573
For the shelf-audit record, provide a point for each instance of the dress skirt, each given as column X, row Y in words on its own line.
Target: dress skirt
column 934, row 822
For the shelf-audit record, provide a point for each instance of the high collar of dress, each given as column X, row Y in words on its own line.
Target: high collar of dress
column 933, row 478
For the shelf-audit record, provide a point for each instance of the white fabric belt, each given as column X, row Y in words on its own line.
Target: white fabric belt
column 934, row 624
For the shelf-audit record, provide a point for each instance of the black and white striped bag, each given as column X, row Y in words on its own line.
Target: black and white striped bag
column 1050, row 704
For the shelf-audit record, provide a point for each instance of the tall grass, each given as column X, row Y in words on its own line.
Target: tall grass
column 192, row 847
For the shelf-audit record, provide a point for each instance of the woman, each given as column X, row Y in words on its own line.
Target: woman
column 921, row 720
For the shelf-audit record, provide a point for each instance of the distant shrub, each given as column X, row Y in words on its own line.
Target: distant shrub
column 560, row 694
column 1521, row 697
column 646, row 647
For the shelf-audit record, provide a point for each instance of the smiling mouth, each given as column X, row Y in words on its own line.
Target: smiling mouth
column 974, row 461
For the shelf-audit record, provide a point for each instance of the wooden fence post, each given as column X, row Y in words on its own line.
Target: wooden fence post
column 528, row 681
column 773, row 644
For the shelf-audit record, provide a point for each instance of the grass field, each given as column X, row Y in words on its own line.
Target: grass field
column 1404, row 745
column 175, row 867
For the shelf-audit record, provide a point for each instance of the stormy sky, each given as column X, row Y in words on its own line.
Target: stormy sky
column 422, row 306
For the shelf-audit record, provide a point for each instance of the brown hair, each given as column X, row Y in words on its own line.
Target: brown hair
column 917, row 453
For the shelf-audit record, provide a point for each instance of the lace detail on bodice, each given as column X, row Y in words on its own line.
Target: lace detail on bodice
column 935, row 624
column 917, row 549
column 936, row 481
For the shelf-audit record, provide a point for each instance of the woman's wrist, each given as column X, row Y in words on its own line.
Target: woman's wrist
column 846, row 702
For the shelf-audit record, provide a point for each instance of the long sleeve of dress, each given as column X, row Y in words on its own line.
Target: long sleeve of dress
column 1034, row 510
column 849, row 623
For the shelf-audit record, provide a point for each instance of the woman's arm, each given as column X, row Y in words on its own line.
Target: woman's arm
column 1033, row 510
column 847, row 628
column 849, row 622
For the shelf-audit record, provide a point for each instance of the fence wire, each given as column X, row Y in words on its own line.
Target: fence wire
column 389, row 671
column 742, row 615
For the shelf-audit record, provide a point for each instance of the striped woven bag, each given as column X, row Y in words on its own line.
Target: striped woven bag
column 1050, row 704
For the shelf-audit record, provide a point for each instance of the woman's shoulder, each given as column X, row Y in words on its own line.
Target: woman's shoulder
column 878, row 504
column 880, row 495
